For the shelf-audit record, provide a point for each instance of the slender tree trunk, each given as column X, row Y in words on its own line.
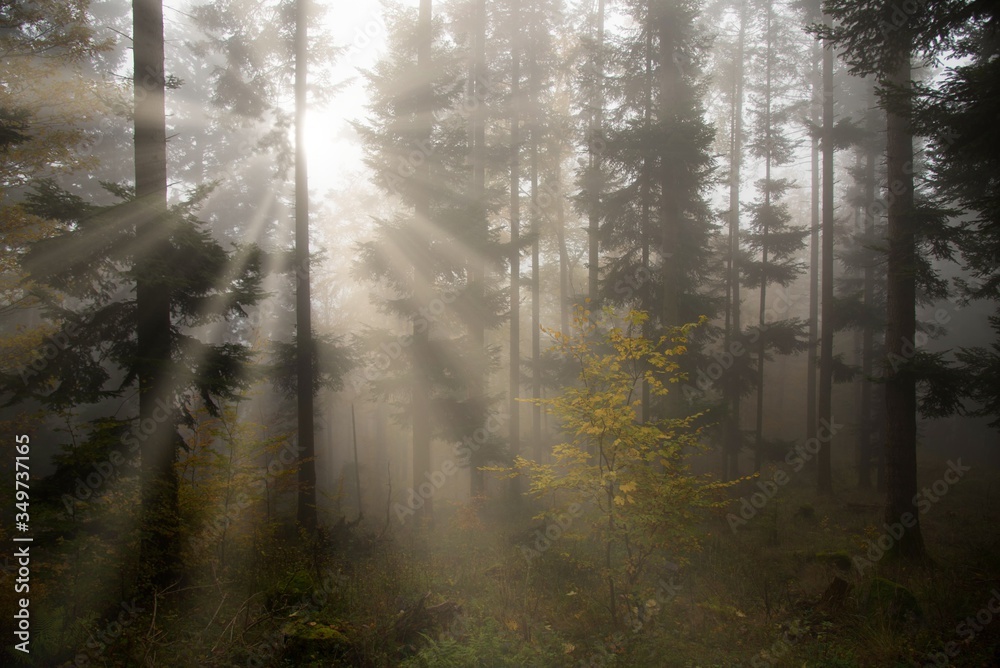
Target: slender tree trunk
column 733, row 438
column 515, row 237
column 423, row 279
column 824, row 469
column 563, row 251
column 812, row 357
column 670, row 220
column 159, row 546
column 646, row 194
column 595, row 149
column 303, row 307
column 762, row 314
column 536, row 293
column 900, row 385
column 868, row 332
column 858, row 336
column 477, row 270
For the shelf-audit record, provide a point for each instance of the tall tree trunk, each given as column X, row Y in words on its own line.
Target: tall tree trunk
column 159, row 546
column 868, row 332
column 423, row 277
column 733, row 440
column 534, row 86
column 858, row 336
column 900, row 385
column 595, row 149
column 303, row 306
column 477, row 270
column 758, row 459
column 646, row 195
column 515, row 237
column 670, row 220
column 812, row 357
column 824, row 469
column 563, row 251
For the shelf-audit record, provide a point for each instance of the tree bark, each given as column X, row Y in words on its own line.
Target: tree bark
column 159, row 546
column 534, row 86
column 477, row 270
column 758, row 459
column 595, row 149
column 824, row 468
column 515, row 238
column 814, row 245
column 900, row 385
column 731, row 445
column 303, row 307
column 868, row 332
column 423, row 278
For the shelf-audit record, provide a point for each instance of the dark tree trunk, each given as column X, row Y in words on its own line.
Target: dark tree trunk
column 595, row 149
column 812, row 357
column 477, row 271
column 824, row 468
column 423, row 280
column 733, row 439
column 303, row 307
column 758, row 459
column 868, row 332
column 515, row 238
column 534, row 86
column 159, row 543
column 670, row 219
column 900, row 386
column 563, row 251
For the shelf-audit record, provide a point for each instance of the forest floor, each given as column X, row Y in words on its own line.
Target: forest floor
column 801, row 583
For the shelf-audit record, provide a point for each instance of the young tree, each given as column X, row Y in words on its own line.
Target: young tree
column 638, row 495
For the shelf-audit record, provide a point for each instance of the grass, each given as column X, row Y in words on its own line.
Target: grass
column 753, row 597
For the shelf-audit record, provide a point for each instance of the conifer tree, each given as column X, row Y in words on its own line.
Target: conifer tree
column 771, row 234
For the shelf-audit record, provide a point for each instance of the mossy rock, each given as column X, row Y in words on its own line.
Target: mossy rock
column 289, row 590
column 893, row 600
column 309, row 640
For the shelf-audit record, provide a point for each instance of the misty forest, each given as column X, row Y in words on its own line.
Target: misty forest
column 454, row 333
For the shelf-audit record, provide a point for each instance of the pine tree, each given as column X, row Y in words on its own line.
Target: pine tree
column 959, row 119
column 771, row 234
column 433, row 257
column 875, row 41
column 657, row 223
